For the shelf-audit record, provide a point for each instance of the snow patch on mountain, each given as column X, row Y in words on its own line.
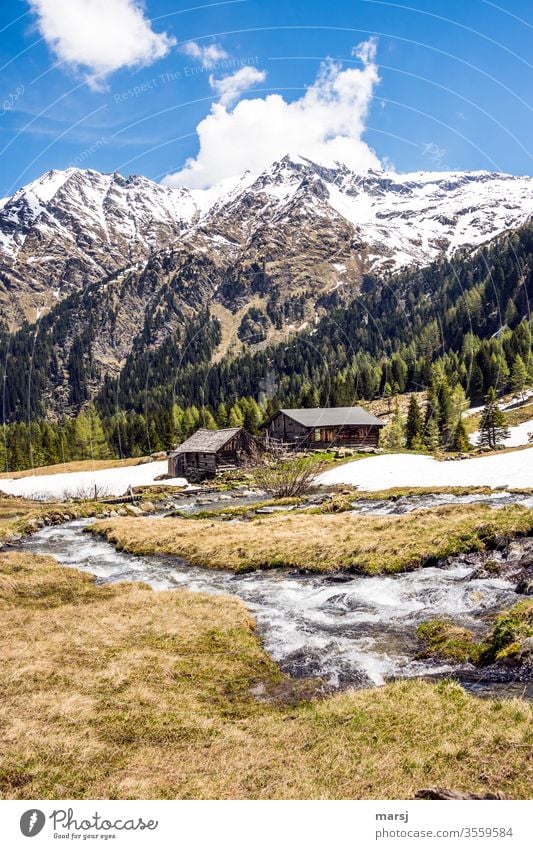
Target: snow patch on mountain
column 73, row 227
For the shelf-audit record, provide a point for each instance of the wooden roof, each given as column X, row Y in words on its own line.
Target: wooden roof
column 207, row 441
column 329, row 417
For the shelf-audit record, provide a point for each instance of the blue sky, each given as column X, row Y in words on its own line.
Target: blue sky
column 143, row 88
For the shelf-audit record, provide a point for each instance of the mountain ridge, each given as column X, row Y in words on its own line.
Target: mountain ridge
column 70, row 228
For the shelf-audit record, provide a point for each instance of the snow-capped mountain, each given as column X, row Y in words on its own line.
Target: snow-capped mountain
column 70, row 228
column 399, row 219
column 315, row 227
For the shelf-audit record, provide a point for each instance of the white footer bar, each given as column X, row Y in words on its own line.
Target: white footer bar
column 267, row 825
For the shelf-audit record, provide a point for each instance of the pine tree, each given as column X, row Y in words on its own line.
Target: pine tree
column 431, row 434
column 493, row 428
column 518, row 376
column 511, row 313
column 97, row 439
column 445, row 417
column 177, row 424
column 207, row 419
column 222, row 415
column 476, row 385
column 82, row 436
column 388, row 394
column 414, row 424
column 252, row 414
column 460, row 440
column 431, row 421
column 190, row 421
column 460, row 403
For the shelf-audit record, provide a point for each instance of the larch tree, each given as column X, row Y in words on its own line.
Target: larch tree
column 518, row 376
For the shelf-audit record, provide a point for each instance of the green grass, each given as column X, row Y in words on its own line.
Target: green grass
column 503, row 641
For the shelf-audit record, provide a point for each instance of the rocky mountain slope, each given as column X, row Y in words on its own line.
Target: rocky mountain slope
column 310, row 229
column 74, row 227
column 112, row 266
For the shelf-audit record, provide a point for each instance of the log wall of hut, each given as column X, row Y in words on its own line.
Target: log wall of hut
column 284, row 429
column 240, row 450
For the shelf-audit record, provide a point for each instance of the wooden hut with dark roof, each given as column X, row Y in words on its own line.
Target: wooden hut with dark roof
column 321, row 427
column 207, row 452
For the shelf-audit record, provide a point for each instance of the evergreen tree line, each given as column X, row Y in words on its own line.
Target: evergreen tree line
column 91, row 437
column 471, row 314
column 440, row 425
column 442, row 328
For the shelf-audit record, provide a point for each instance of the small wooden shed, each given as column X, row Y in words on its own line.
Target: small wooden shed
column 207, row 452
column 321, row 427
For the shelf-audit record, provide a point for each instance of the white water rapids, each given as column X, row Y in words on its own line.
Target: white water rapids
column 348, row 629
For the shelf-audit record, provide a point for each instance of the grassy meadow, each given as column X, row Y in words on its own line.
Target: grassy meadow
column 118, row 691
column 322, row 542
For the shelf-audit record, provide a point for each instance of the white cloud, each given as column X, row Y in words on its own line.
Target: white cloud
column 208, row 54
column 100, row 36
column 229, row 88
column 326, row 124
column 366, row 51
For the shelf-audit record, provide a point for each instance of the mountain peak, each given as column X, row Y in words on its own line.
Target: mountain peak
column 72, row 227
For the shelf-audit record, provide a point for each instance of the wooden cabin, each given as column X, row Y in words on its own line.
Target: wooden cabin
column 322, row 427
column 207, row 452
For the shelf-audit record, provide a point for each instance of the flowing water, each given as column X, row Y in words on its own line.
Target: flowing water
column 349, row 630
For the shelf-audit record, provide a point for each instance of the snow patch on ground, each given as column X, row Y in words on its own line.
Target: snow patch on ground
column 518, row 435
column 74, row 484
column 391, row 470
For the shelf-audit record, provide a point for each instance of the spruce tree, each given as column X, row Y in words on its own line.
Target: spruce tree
column 207, row 420
column 98, row 444
column 222, row 415
column 460, row 440
column 476, row 385
column 493, row 428
column 431, row 421
column 445, row 418
column 431, row 434
column 414, row 425
column 236, row 418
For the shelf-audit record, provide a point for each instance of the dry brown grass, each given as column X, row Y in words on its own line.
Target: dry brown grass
column 322, row 542
column 383, row 408
column 18, row 514
column 514, row 416
column 73, row 466
column 121, row 692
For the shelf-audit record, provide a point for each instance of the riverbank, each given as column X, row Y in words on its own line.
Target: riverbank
column 117, row 691
column 508, row 642
column 20, row 517
column 322, row 542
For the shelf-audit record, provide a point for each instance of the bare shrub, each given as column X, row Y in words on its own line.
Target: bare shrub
column 86, row 492
column 286, row 478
